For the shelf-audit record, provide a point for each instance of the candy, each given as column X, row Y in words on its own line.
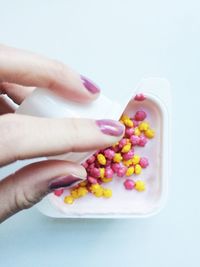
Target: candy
column 102, row 172
column 91, row 159
column 58, row 192
column 95, row 172
column 149, row 133
column 143, row 126
column 140, row 115
column 109, row 172
column 142, row 141
column 126, row 148
column 107, row 193
column 92, row 180
column 128, row 155
column 130, row 171
column 122, row 171
column 82, row 191
column 74, row 194
column 68, row 199
column 129, row 132
column 138, row 169
column 117, row 157
column 109, row 153
column 101, row 159
column 123, row 142
column 115, row 166
column 144, row 162
column 128, row 122
column 106, row 180
column 134, row 140
column 140, row 185
column 137, row 132
column 136, row 159
column 139, row 97
column 127, row 163
column 129, row 184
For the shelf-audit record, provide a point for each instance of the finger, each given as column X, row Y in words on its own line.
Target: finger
column 16, row 92
column 5, row 105
column 26, row 136
column 28, row 69
column 30, row 184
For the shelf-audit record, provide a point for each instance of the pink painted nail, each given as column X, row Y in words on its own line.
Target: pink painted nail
column 110, row 127
column 89, row 85
column 67, row 181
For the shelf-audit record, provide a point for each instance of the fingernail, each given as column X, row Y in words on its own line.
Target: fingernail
column 89, row 85
column 66, row 181
column 110, row 127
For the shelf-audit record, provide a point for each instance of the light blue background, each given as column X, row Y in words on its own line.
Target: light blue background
column 116, row 43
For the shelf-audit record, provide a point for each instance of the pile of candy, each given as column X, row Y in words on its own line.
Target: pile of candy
column 120, row 159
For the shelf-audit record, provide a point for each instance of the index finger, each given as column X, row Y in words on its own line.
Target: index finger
column 28, row 69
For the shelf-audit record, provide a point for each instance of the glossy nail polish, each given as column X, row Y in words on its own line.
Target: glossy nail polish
column 66, row 181
column 89, row 85
column 110, row 127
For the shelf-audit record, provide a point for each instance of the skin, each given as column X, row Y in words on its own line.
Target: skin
column 20, row 73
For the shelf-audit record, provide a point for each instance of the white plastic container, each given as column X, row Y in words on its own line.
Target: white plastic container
column 123, row 203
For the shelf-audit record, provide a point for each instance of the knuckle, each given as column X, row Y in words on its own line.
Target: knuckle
column 74, row 134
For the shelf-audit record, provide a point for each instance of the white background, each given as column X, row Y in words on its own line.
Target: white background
column 116, row 43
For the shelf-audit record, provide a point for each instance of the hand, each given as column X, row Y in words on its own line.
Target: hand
column 20, row 72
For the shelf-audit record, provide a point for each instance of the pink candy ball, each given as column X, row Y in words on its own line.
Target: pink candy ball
column 108, row 162
column 129, row 132
column 128, row 155
column 91, row 159
column 139, row 97
column 109, row 172
column 109, row 153
column 142, row 141
column 122, row 142
column 140, row 115
column 85, row 165
column 129, row 184
column 92, row 180
column 58, row 192
column 135, row 140
column 121, row 171
column 144, row 162
column 95, row 172
column 115, row 166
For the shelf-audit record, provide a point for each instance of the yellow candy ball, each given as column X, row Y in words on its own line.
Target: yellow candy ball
column 117, row 157
column 107, row 193
column 140, row 185
column 74, row 193
column 124, row 117
column 138, row 169
column 95, row 187
column 137, row 131
column 101, row 159
column 127, row 163
column 82, row 191
column 126, row 148
column 69, row 200
column 84, row 183
column 99, row 192
column 136, row 159
column 102, row 172
column 106, row 180
column 149, row 133
column 130, row 171
column 143, row 126
column 128, row 123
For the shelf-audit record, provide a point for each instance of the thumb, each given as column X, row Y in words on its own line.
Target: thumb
column 30, row 184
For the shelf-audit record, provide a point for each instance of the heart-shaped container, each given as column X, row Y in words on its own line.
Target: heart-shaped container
column 123, row 204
